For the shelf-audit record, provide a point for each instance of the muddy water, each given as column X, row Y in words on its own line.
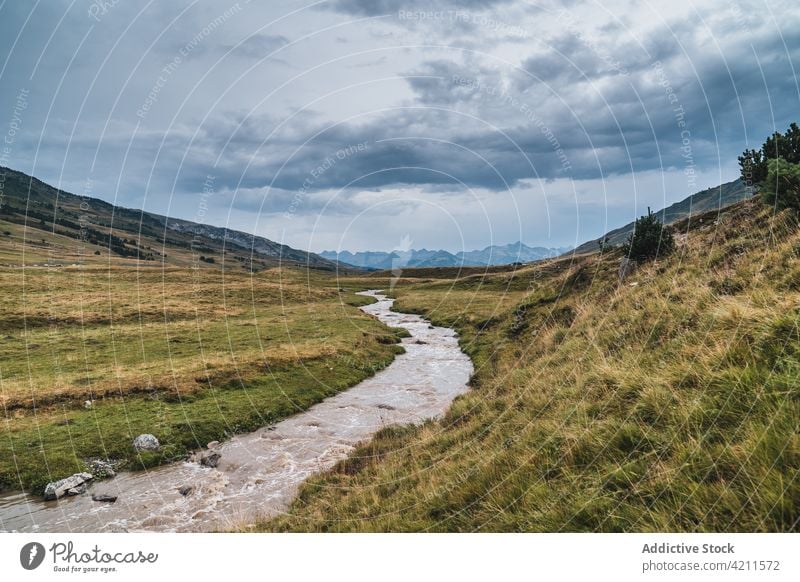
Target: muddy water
column 260, row 472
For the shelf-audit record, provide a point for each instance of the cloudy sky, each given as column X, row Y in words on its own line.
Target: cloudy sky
column 358, row 124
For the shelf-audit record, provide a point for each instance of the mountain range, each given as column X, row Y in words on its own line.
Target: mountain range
column 69, row 225
column 717, row 198
column 493, row 255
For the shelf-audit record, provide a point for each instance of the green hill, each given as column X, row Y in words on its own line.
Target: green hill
column 46, row 225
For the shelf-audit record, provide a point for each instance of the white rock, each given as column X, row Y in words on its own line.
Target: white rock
column 60, row 488
column 146, row 442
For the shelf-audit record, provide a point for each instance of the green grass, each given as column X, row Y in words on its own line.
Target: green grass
column 667, row 402
column 189, row 358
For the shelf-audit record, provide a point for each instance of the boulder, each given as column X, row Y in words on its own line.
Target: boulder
column 101, row 469
column 212, row 445
column 186, row 490
column 104, row 498
column 210, row 460
column 72, row 485
column 146, row 442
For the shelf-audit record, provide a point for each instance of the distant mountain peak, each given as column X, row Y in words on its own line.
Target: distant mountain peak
column 492, row 255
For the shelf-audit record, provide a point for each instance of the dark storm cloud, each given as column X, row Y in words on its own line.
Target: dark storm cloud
column 627, row 115
column 571, row 58
column 491, row 128
column 271, row 200
column 448, row 83
column 566, row 112
column 580, row 99
column 379, row 153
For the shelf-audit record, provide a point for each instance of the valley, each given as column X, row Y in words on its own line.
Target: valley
column 666, row 401
column 660, row 398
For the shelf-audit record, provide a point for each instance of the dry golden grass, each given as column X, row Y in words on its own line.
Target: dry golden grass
column 94, row 332
column 667, row 402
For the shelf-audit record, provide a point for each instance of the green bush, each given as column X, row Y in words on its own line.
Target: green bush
column 649, row 239
column 754, row 164
column 781, row 188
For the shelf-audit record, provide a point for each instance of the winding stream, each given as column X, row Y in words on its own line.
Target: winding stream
column 260, row 472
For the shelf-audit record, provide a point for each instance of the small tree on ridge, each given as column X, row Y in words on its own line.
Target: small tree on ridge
column 781, row 188
column 649, row 239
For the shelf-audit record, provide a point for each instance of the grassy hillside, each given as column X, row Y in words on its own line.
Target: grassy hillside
column 189, row 356
column 666, row 402
column 705, row 201
column 41, row 225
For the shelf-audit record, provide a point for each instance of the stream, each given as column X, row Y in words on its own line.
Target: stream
column 260, row 473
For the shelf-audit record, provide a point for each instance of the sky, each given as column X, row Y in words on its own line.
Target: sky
column 384, row 124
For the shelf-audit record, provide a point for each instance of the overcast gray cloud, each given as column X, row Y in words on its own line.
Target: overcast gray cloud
column 549, row 122
column 378, row 7
column 258, row 46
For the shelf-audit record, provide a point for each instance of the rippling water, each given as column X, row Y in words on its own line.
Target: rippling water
column 260, row 472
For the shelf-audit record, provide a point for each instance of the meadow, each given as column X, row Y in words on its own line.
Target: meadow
column 667, row 401
column 97, row 353
column 664, row 401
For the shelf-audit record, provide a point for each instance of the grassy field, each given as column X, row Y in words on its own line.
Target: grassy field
column 665, row 402
column 188, row 355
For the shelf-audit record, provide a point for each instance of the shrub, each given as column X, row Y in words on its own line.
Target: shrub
column 754, row 164
column 781, row 188
column 649, row 238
